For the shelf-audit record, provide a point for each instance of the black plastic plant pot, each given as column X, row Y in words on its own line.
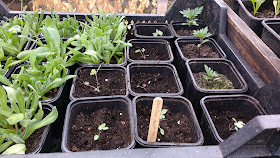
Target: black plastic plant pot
column 219, row 112
column 149, row 51
column 34, row 147
column 233, row 4
column 221, row 66
column 153, row 79
column 183, row 31
column 146, row 30
column 85, row 115
column 245, row 13
column 180, row 124
column 271, row 35
column 112, row 82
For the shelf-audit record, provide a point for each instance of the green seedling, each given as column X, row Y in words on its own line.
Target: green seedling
column 102, row 127
column 162, row 116
column 276, row 4
column 256, row 5
column 202, row 34
column 191, row 15
column 211, row 74
column 158, row 33
column 142, row 52
column 94, row 72
column 238, row 124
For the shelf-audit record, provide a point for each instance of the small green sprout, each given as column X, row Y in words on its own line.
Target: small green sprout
column 238, row 124
column 142, row 52
column 276, row 4
column 158, row 33
column 256, row 5
column 210, row 74
column 202, row 34
column 94, row 72
column 191, row 15
column 102, row 127
column 162, row 116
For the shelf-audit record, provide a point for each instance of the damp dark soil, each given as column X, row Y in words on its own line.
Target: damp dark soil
column 265, row 11
column 142, row 82
column 183, row 32
column 153, row 51
column 224, row 123
column 265, row 14
column 85, row 127
column 52, row 93
column 191, row 51
column 221, row 82
column 111, row 82
column 178, row 128
column 33, row 141
column 149, row 30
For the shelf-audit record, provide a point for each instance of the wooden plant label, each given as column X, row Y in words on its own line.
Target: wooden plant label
column 155, row 118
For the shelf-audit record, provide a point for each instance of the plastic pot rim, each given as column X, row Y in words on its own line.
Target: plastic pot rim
column 215, row 91
column 265, row 24
column 159, row 41
column 167, row 144
column 105, row 67
column 226, row 97
column 175, row 74
column 72, row 103
column 153, row 24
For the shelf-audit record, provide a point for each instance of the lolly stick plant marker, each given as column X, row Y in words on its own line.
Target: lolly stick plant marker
column 155, row 118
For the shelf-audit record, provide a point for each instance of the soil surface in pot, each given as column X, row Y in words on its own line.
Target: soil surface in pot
column 183, row 32
column 149, row 30
column 153, row 51
column 177, row 127
column 221, row 82
column 142, row 82
column 191, row 51
column 33, row 141
column 85, row 127
column 111, row 82
column 265, row 11
column 223, row 122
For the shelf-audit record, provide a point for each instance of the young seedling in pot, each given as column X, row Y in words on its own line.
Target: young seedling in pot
column 162, row 116
column 276, row 4
column 256, row 5
column 142, row 52
column 211, row 74
column 158, row 33
column 102, row 127
column 238, row 124
column 191, row 15
column 202, row 34
column 94, row 72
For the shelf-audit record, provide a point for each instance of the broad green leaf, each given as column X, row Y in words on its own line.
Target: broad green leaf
column 16, row 138
column 5, row 146
column 15, row 149
column 15, row 118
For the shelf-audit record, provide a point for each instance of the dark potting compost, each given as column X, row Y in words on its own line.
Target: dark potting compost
column 192, row 51
column 33, row 141
column 221, row 82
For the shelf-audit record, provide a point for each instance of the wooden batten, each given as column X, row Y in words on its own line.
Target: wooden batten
column 261, row 58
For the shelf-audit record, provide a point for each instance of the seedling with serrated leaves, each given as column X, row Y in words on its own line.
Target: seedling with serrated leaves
column 202, row 34
column 94, row 72
column 210, row 74
column 238, row 124
column 158, row 33
column 276, row 4
column 162, row 116
column 256, row 5
column 102, row 127
column 191, row 15
column 142, row 52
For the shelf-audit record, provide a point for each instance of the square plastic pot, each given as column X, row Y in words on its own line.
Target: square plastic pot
column 89, row 105
column 271, row 35
column 149, row 45
column 146, row 30
column 243, row 104
column 119, row 69
column 253, row 22
column 222, row 66
column 163, row 69
column 176, row 26
column 176, row 104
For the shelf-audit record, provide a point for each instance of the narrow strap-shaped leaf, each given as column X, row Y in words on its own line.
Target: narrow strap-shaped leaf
column 58, row 82
column 16, row 138
column 28, row 100
column 15, row 118
column 3, row 98
column 5, row 146
column 39, row 115
column 35, row 100
column 20, row 100
column 5, row 113
column 9, row 60
column 4, row 80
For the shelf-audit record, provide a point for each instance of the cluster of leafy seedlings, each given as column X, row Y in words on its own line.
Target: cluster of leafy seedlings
column 158, row 33
column 276, row 4
column 142, row 52
column 20, row 119
column 94, row 72
column 191, row 15
column 256, row 5
column 162, row 116
column 202, row 34
column 238, row 124
column 102, row 127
